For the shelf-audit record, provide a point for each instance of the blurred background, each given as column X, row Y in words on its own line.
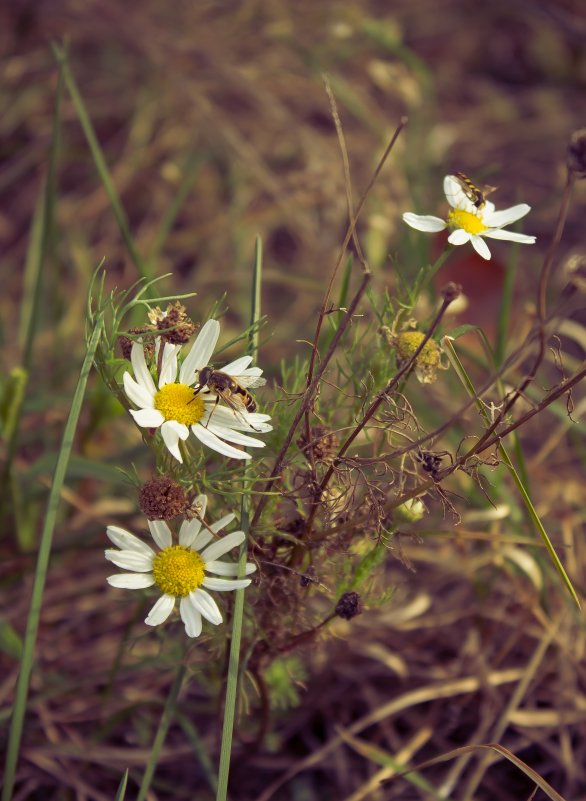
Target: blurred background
column 215, row 126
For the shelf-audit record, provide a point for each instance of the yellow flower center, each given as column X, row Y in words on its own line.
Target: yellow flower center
column 178, row 571
column 472, row 224
column 177, row 402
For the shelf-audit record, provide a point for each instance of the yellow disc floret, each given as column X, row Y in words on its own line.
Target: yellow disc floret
column 429, row 360
column 472, row 224
column 177, row 402
column 178, row 571
column 408, row 342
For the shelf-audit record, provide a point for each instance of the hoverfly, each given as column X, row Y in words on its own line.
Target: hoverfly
column 473, row 193
column 231, row 389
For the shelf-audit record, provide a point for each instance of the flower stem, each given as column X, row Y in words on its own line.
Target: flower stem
column 234, row 659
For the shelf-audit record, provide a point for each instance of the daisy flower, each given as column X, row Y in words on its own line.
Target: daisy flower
column 179, row 571
column 471, row 221
column 173, row 407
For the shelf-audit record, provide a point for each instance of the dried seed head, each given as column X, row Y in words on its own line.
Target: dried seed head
column 162, row 498
column 174, row 318
column 324, row 443
column 429, row 360
column 576, row 153
column 349, row 605
column 126, row 343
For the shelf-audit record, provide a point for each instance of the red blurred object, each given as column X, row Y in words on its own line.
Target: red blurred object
column 481, row 282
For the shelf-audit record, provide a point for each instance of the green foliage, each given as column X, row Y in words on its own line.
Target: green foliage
column 284, row 678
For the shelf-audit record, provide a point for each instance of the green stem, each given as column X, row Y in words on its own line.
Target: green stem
column 22, row 686
column 234, row 659
column 99, row 159
column 467, row 382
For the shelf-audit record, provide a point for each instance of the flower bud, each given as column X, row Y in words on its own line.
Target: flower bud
column 349, row 605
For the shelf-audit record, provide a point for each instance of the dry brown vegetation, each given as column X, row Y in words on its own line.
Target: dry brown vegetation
column 225, row 102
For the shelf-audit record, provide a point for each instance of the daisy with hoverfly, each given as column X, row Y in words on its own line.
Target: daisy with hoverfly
column 472, row 218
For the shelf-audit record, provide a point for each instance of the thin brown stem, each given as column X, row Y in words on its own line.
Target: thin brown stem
column 541, row 310
column 560, row 390
column 345, row 243
column 308, row 397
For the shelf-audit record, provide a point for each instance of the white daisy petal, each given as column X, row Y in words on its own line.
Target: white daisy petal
column 188, row 532
column 127, row 541
column 202, row 539
column 243, row 421
column 140, row 396
column 496, row 219
column 206, row 605
column 131, row 581
column 130, row 560
column 459, row 237
column 480, row 247
column 141, row 371
column 212, row 441
column 161, row 533
column 424, row 222
column 235, row 436
column 206, row 534
column 222, row 546
column 201, row 352
column 168, row 365
column 455, row 195
column 511, row 236
column 147, row 418
column 228, row 568
column 258, row 421
column 172, row 432
column 225, row 585
column 238, row 366
column 191, row 617
column 222, row 522
column 160, row 611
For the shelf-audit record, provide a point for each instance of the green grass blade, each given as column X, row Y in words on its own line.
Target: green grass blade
column 467, row 383
column 41, row 235
column 234, row 659
column 506, row 305
column 22, row 686
column 121, row 792
column 99, row 159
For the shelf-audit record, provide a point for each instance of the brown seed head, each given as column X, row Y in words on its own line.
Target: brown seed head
column 126, row 343
column 162, row 498
column 324, row 443
column 174, row 318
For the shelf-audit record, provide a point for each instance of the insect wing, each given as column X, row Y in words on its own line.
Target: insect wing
column 249, row 381
column 457, row 192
